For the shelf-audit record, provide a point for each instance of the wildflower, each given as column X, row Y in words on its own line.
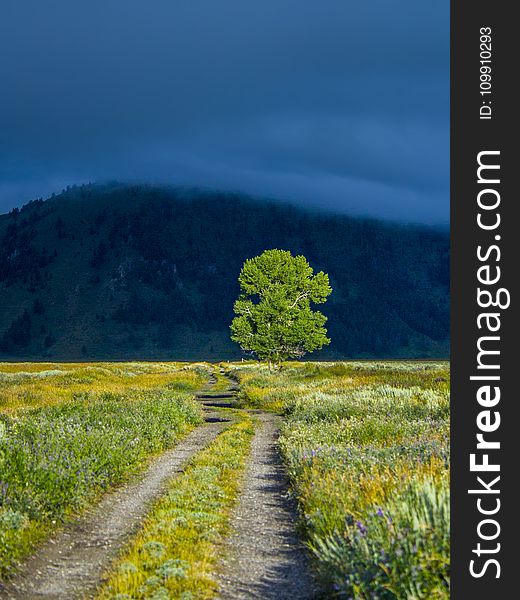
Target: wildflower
column 361, row 528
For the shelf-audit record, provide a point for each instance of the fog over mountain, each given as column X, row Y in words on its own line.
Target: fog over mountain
column 325, row 104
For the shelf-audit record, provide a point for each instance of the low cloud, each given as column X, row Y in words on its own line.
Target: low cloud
column 335, row 105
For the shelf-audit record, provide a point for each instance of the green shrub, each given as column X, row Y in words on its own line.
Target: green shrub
column 399, row 551
column 356, row 435
column 54, row 459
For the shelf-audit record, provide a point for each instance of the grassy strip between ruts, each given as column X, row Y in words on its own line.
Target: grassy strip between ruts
column 175, row 553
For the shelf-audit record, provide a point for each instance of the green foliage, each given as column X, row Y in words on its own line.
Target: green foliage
column 399, row 552
column 25, row 386
column 18, row 334
column 55, row 459
column 275, row 319
column 180, row 543
column 367, row 449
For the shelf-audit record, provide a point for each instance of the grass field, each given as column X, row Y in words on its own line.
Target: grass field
column 69, row 432
column 366, row 447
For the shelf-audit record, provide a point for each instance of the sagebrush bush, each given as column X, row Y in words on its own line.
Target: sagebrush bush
column 401, row 551
column 367, row 449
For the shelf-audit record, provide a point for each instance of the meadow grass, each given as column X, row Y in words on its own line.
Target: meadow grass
column 175, row 555
column 366, row 446
column 58, row 454
column 26, row 386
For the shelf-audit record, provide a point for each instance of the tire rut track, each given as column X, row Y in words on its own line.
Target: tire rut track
column 265, row 558
column 70, row 565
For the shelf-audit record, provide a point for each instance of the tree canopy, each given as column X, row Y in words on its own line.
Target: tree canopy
column 274, row 318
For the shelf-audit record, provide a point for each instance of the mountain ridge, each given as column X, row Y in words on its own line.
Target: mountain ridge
column 121, row 271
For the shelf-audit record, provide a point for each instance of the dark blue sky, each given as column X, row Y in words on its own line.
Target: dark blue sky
column 338, row 104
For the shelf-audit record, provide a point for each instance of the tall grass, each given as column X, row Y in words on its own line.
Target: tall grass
column 401, row 551
column 24, row 386
column 367, row 449
column 56, row 458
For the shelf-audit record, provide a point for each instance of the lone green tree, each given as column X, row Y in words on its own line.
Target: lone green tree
column 274, row 316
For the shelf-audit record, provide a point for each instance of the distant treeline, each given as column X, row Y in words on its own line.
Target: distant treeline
column 116, row 271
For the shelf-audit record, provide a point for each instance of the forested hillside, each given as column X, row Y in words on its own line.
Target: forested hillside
column 118, row 272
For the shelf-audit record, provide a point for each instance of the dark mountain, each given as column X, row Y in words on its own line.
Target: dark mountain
column 118, row 272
